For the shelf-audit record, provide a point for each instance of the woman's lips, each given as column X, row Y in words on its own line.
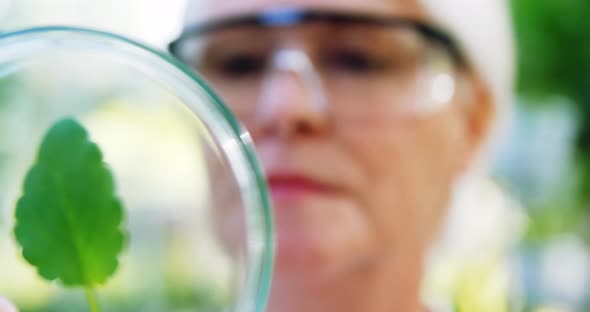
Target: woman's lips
column 293, row 187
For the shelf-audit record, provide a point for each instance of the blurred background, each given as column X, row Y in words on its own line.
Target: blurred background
column 544, row 164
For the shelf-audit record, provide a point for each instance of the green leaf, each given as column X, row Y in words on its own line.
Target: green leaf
column 68, row 220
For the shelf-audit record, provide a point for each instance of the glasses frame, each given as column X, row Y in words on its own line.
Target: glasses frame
column 296, row 16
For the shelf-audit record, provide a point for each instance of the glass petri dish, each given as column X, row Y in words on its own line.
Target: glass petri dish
column 183, row 223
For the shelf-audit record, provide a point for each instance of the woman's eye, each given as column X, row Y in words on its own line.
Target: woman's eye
column 355, row 62
column 240, row 66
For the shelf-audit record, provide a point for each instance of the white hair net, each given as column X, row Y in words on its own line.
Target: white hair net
column 483, row 29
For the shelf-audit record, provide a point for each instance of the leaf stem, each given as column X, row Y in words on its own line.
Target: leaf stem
column 92, row 301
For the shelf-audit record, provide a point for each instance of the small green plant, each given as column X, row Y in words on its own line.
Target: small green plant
column 68, row 219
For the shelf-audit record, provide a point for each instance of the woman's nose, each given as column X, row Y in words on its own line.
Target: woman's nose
column 292, row 101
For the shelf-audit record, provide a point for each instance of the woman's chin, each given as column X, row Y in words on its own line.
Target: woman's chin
column 300, row 258
column 309, row 249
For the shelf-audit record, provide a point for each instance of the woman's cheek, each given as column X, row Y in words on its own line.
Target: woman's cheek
column 403, row 194
column 330, row 237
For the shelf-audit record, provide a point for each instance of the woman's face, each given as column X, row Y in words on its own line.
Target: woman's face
column 349, row 193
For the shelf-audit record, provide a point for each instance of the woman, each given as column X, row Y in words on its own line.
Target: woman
column 365, row 114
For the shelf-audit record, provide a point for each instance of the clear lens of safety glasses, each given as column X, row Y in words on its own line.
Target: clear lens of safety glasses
column 366, row 70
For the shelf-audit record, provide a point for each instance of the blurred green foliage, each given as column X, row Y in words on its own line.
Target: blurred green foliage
column 554, row 49
column 176, row 300
column 553, row 42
